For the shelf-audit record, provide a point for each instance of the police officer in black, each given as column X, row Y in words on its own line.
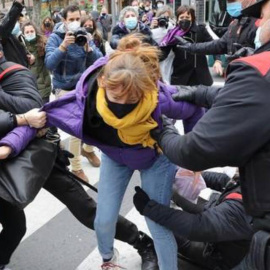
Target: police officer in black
column 235, row 131
column 241, row 32
column 215, row 234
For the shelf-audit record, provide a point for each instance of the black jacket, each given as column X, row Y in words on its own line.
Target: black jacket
column 13, row 49
column 241, row 31
column 120, row 31
column 223, row 223
column 190, row 69
column 7, row 122
column 234, row 132
column 18, row 94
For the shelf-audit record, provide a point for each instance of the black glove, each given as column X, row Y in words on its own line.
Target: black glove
column 140, row 199
column 183, row 44
column 168, row 127
column 200, row 95
column 243, row 52
column 185, row 93
column 63, row 157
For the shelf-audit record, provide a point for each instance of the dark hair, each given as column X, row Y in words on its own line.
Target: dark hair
column 188, row 9
column 71, row 8
column 96, row 34
column 43, row 27
column 41, row 39
column 1, row 47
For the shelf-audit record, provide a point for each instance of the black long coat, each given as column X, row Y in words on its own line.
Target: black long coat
column 190, row 69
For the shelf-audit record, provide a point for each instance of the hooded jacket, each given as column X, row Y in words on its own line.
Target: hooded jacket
column 67, row 67
column 67, row 113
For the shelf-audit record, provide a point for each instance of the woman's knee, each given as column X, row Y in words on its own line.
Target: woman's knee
column 104, row 223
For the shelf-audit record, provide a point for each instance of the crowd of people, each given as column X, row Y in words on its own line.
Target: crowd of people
column 117, row 88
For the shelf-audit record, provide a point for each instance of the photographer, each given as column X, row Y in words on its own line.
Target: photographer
column 69, row 52
column 164, row 12
column 162, row 23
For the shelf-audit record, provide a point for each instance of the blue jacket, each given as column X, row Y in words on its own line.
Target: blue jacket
column 67, row 67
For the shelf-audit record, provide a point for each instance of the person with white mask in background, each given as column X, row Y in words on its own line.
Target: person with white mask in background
column 160, row 4
column 69, row 52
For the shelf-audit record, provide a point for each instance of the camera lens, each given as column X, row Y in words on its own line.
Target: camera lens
column 163, row 22
column 80, row 40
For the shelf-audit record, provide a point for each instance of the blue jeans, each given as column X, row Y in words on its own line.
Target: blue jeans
column 157, row 182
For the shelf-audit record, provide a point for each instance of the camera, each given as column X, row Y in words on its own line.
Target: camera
column 163, row 21
column 80, row 36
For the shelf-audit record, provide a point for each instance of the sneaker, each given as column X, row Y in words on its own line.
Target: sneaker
column 91, row 157
column 146, row 249
column 3, row 267
column 113, row 264
column 81, row 174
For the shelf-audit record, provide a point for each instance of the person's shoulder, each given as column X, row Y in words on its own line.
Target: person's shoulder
column 257, row 62
column 118, row 29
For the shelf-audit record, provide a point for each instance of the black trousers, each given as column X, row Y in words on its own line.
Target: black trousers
column 83, row 207
column 14, row 228
column 70, row 193
column 195, row 252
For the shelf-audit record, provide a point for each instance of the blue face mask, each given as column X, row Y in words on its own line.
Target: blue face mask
column 234, row 9
column 131, row 23
column 257, row 41
column 16, row 30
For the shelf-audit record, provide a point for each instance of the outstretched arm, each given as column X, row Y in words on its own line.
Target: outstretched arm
column 9, row 20
column 221, row 136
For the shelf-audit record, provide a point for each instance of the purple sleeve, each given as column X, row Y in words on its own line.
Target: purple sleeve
column 189, row 113
column 18, row 139
column 64, row 113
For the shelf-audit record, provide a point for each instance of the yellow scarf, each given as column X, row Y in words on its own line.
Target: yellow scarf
column 135, row 127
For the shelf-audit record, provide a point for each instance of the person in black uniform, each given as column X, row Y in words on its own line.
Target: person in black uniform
column 215, row 234
column 236, row 132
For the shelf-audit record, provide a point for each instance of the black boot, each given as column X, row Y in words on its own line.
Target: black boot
column 145, row 247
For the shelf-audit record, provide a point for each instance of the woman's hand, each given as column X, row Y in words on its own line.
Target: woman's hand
column 31, row 59
column 5, row 151
column 35, row 118
column 218, row 67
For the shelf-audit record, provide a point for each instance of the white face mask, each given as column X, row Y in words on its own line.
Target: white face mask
column 257, row 41
column 30, row 37
column 73, row 26
column 159, row 5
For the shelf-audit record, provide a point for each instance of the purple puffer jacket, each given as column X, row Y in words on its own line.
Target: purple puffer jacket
column 67, row 114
